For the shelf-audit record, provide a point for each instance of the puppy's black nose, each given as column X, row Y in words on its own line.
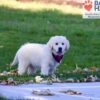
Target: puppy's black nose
column 60, row 50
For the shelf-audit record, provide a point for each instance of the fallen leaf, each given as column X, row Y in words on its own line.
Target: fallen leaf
column 71, row 92
column 46, row 92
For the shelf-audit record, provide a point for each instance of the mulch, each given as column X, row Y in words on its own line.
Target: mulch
column 59, row 2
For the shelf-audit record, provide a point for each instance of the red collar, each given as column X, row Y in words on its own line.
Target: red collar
column 57, row 58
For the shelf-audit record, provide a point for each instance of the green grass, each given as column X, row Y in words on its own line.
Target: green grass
column 2, row 98
column 20, row 26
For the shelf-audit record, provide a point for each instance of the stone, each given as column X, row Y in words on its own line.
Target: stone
column 70, row 80
column 10, row 80
column 38, row 79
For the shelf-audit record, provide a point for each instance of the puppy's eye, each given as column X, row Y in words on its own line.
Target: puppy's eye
column 62, row 43
column 56, row 43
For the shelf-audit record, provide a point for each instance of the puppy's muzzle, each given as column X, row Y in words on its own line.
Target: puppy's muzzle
column 59, row 50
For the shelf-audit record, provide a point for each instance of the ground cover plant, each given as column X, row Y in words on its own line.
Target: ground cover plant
column 18, row 26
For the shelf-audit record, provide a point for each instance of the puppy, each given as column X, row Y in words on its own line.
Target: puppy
column 46, row 57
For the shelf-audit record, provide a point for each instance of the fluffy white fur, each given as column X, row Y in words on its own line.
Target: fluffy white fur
column 32, row 56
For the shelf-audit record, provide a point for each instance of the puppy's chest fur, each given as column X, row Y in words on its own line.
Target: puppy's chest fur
column 52, row 66
column 53, row 63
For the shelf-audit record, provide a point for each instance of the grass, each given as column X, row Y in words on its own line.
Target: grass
column 2, row 98
column 18, row 26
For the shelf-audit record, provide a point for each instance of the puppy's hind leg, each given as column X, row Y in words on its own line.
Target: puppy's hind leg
column 31, row 69
column 22, row 67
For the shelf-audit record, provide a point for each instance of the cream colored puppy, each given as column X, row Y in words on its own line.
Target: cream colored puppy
column 45, row 57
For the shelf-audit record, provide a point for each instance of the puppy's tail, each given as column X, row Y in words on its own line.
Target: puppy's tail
column 15, row 61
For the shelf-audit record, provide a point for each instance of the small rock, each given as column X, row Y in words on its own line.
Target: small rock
column 70, row 80
column 91, row 78
column 83, row 80
column 4, row 82
column 5, row 72
column 31, row 81
column 86, row 70
column 38, row 79
column 76, row 80
column 1, row 74
column 56, row 80
column 10, row 80
column 48, row 82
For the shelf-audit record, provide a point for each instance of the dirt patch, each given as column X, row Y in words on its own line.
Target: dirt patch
column 59, row 2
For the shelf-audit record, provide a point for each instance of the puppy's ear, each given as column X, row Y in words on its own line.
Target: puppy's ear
column 49, row 43
column 67, row 45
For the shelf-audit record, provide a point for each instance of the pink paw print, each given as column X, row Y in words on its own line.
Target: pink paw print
column 87, row 5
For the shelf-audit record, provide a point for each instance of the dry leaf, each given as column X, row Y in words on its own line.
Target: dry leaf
column 46, row 92
column 38, row 79
column 71, row 92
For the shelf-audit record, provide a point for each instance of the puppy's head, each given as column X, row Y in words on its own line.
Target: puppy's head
column 58, row 45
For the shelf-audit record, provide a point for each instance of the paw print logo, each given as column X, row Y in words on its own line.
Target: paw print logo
column 87, row 5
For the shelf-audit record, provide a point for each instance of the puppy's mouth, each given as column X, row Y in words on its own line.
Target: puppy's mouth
column 59, row 53
column 58, row 57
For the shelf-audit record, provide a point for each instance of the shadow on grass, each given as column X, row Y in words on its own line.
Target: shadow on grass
column 20, row 26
